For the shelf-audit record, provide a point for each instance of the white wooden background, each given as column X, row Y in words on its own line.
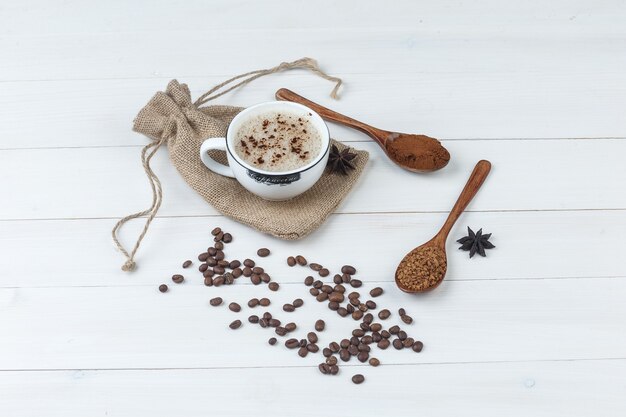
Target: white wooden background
column 535, row 329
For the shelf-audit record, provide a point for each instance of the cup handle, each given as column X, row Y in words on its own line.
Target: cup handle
column 212, row 164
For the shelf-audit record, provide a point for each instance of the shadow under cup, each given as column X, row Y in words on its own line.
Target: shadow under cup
column 271, row 185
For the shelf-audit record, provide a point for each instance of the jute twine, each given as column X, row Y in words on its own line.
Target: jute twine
column 172, row 118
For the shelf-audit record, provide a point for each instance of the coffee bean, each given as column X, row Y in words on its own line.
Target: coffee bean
column 208, row 273
column 273, row 286
column 223, row 263
column 336, row 297
column 333, row 305
column 301, row 260
column 397, row 343
column 327, row 352
column 219, row 246
column 263, row 252
column 342, row 311
column 385, row 334
column 234, row 264
column 178, row 278
column 408, row 342
column 228, row 278
column 187, row 264
column 345, row 278
column 263, row 323
column 312, row 337
column 355, row 302
column 255, row 279
column 363, row 307
column 320, row 325
column 322, row 297
column 257, row 270
column 253, row 302
column 355, row 341
column 374, row 362
column 402, row 335
column 308, row 281
column 394, row 329
column 203, row 267
column 219, row 280
column 208, row 281
column 358, row 333
column 265, row 277
column 357, row 315
column 417, row 346
column 312, row 347
column 344, row 355
column 401, row 312
column 203, row 257
column 334, row 369
column 211, row 251
column 376, row 337
column 344, row 343
column 218, row 269
column 364, row 326
column 289, row 308
column 219, row 255
column 163, row 288
column 234, row 307
column 272, row 341
column 314, row 292
column 274, row 322
column 358, row 379
column 211, row 262
column 237, row 272
column 376, row 327
column 216, row 231
column 290, row 327
column 235, row 324
column 227, row 238
column 264, row 302
column 356, row 283
column 331, row 360
column 281, row 331
column 291, row 261
column 324, row 368
column 367, row 339
column 318, row 284
column 348, row 269
column 324, row 272
column 334, row 347
column 383, row 344
column 363, row 356
column 315, row 267
column 339, row 288
column 298, row 302
column 362, row 347
column 350, row 308
column 326, row 288
column 216, row 301
column 384, row 314
column 303, row 342
column 292, row 343
column 368, row 318
column 376, row 292
column 249, row 263
column 267, row 315
column 218, row 236
column 253, row 319
column 337, row 279
column 354, row 295
column 370, row 304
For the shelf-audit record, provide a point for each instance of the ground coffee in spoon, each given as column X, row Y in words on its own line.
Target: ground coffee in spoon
column 426, row 154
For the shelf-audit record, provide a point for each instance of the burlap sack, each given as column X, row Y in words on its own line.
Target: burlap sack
column 172, row 118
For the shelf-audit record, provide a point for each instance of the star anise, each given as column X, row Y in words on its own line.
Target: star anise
column 476, row 242
column 340, row 161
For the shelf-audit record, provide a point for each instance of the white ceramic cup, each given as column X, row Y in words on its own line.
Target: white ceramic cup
column 268, row 184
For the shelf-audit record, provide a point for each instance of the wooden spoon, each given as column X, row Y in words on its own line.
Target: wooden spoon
column 424, row 267
column 416, row 153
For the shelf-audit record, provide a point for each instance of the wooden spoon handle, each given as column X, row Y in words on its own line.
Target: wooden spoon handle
column 328, row 114
column 481, row 170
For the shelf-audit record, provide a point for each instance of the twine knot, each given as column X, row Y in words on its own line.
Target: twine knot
column 129, row 265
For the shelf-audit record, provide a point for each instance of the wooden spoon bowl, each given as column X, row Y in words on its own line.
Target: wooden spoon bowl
column 424, row 268
column 415, row 153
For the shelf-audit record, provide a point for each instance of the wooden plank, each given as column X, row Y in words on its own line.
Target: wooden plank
column 529, row 245
column 580, row 388
column 141, row 54
column 564, row 173
column 445, row 105
column 469, row 321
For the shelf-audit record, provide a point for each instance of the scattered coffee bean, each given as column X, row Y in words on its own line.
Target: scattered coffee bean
column 374, row 362
column 417, row 346
column 219, row 255
column 324, row 368
column 255, row 279
column 216, row 301
column 235, row 324
column 383, row 344
column 292, row 343
column 308, row 281
column 333, row 305
column 281, row 331
column 237, row 272
column 298, row 302
column 401, row 312
column 265, row 277
column 312, row 337
column 344, row 355
column 163, row 288
column 301, row 260
column 348, row 269
column 267, row 315
column 356, row 283
column 289, row 308
column 203, row 267
column 272, row 341
column 314, row 292
column 211, row 251
column 376, row 327
column 357, row 314
column 247, row 272
column 337, row 279
column 264, row 302
column 376, row 292
column 203, row 257
column 274, row 322
column 385, row 334
column 340, row 288
column 187, row 264
column 227, row 238
column 397, row 343
column 257, row 270
column 322, row 297
column 211, row 262
column 315, row 267
column 263, row 252
column 234, row 307
column 218, row 269
column 303, row 342
column 320, row 325
column 178, row 278
column 358, row 333
column 273, row 286
column 253, row 302
column 334, row 347
column 219, row 245
column 318, row 284
column 326, row 288
column 342, row 311
column 249, row 263
column 303, row 351
column 218, row 236
column 368, row 318
column 363, row 356
column 402, row 335
column 290, row 327
column 408, row 342
column 336, row 297
column 216, row 231
column 394, row 329
column 384, row 314
column 223, row 263
column 370, row 304
column 406, row 319
column 350, row 308
column 331, row 360
column 208, row 281
column 327, row 352
column 291, row 261
column 344, row 343
column 217, row 281
column 313, row 348
column 358, row 379
column 253, row 319
column 324, row 272
column 234, row 264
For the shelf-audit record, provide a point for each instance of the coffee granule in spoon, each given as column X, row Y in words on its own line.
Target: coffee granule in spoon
column 417, row 152
column 422, row 268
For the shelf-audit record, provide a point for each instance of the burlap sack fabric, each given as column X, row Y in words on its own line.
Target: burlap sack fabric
column 172, row 118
